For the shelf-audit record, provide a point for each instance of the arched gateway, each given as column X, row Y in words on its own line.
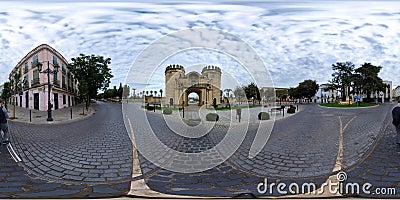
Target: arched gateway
column 179, row 85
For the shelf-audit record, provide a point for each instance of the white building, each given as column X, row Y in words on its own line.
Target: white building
column 324, row 95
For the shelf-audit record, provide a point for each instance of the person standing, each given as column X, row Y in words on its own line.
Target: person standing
column 5, row 137
column 396, row 121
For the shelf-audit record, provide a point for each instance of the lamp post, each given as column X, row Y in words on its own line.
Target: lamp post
column 207, row 89
column 48, row 71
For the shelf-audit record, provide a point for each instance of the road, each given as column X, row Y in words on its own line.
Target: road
column 302, row 148
column 87, row 158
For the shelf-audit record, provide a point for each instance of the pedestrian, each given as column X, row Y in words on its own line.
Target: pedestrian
column 5, row 137
column 396, row 120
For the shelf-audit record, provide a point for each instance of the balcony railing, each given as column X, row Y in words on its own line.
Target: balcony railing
column 25, row 86
column 26, row 70
column 35, row 82
column 56, row 83
column 64, row 86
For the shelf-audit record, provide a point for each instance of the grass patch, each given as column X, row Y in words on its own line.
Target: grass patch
column 353, row 105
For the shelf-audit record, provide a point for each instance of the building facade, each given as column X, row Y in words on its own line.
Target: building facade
column 178, row 85
column 1, row 89
column 33, row 89
column 396, row 93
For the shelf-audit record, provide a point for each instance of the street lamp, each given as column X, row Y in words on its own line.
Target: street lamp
column 48, row 71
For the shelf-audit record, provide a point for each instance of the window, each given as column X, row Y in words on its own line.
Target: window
column 64, row 99
column 35, row 59
column 25, row 82
column 55, row 60
column 63, row 67
column 26, row 67
column 35, row 80
column 63, row 82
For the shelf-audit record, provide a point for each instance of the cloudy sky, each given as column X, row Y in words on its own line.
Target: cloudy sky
column 297, row 40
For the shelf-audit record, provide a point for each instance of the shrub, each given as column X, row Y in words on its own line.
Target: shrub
column 213, row 117
column 291, row 110
column 167, row 111
column 263, row 116
column 150, row 108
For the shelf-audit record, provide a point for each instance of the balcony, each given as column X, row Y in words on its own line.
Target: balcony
column 26, row 70
column 25, row 86
column 35, row 82
column 64, row 86
column 56, row 83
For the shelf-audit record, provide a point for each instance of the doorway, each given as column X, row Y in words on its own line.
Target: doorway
column 55, row 101
column 27, row 99
column 36, row 101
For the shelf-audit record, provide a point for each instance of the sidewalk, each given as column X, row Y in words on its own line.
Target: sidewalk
column 40, row 117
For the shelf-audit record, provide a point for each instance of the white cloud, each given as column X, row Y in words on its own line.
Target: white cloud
column 297, row 41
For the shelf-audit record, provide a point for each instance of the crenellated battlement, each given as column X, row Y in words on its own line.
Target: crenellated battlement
column 174, row 68
column 211, row 68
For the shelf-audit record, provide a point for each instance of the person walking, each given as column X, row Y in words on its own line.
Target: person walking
column 396, row 120
column 5, row 137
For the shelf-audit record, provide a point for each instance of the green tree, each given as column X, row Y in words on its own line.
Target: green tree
column 252, row 92
column 342, row 77
column 161, row 91
column 281, row 94
column 308, row 89
column 92, row 70
column 369, row 80
column 120, row 91
column 6, row 93
column 294, row 93
column 239, row 94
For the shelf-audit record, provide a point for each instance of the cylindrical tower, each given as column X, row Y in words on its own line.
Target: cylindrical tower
column 213, row 73
column 172, row 73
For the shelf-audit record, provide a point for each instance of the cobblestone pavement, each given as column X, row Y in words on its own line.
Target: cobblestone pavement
column 381, row 168
column 302, row 148
column 87, row 158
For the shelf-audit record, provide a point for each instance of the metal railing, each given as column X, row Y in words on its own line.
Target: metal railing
column 35, row 82
column 56, row 83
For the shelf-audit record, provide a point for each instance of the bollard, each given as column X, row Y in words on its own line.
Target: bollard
column 30, row 115
column 297, row 107
column 71, row 113
column 183, row 109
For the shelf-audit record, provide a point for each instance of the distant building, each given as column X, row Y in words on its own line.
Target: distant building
column 1, row 88
column 179, row 84
column 388, row 91
column 396, row 93
column 325, row 95
column 34, row 94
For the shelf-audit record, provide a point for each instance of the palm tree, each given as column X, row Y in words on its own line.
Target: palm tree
column 147, row 93
column 134, row 92
column 227, row 90
column 161, row 91
column 151, row 92
column 155, row 92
